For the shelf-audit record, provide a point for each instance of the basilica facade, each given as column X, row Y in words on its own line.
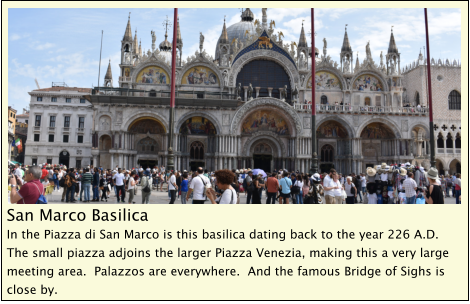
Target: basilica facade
column 250, row 105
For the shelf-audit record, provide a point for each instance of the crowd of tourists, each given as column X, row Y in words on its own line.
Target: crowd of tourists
column 383, row 184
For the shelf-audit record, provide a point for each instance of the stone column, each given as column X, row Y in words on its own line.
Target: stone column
column 257, row 91
column 245, row 91
column 270, row 90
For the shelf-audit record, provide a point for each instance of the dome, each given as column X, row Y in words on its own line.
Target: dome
column 237, row 30
column 165, row 45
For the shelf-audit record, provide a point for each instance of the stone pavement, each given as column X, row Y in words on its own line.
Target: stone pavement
column 159, row 197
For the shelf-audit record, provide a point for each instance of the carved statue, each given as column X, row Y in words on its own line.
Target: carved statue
column 127, row 57
column 235, row 46
column 348, row 80
column 201, row 38
column 225, row 78
column 302, row 78
column 381, row 58
column 284, row 94
column 368, row 54
column 250, row 92
column 224, row 60
column 295, row 93
column 154, row 38
column 149, row 53
column 324, row 43
column 238, row 90
column 346, row 66
column 241, row 45
column 293, row 45
column 263, row 10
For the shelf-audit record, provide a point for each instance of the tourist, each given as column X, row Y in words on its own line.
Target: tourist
column 184, row 187
column 315, row 193
column 172, row 187
column 337, row 191
column 131, row 183
column 272, row 187
column 30, row 190
column 146, row 185
column 363, row 183
column 247, row 186
column 224, row 178
column 329, row 189
column 358, row 184
column 351, row 191
column 299, row 195
column 453, row 184
column 71, row 182
column 285, row 184
column 258, row 188
column 434, row 195
column 262, row 183
column 306, row 186
column 118, row 179
column 410, row 189
column 458, row 188
column 55, row 179
column 371, row 186
column 96, row 185
column 198, row 185
column 104, row 187
column 86, row 180
column 179, row 179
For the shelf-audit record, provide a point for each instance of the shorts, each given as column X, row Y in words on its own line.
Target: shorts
column 285, row 195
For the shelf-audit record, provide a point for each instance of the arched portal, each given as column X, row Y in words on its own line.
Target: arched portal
column 64, row 158
column 334, row 140
column 105, row 144
column 146, row 151
column 454, row 166
column 147, row 134
column 378, row 143
column 265, row 74
column 262, row 156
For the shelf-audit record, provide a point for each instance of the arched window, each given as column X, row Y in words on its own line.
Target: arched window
column 440, row 141
column 324, row 99
column 327, row 154
column 147, row 145
column 449, row 141
column 126, row 48
column 264, row 74
column 197, row 150
column 457, row 141
column 454, row 100
column 367, row 101
column 417, row 99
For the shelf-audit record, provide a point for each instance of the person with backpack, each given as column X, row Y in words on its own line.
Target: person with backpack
column 31, row 189
column 272, row 187
column 285, row 184
column 86, row 179
column 249, row 186
column 70, row 182
column 55, row 179
column 146, row 187
column 198, row 186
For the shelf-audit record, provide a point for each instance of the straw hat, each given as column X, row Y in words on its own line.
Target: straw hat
column 236, row 171
column 403, row 171
column 371, row 171
column 384, row 165
column 378, row 168
column 432, row 173
column 386, row 168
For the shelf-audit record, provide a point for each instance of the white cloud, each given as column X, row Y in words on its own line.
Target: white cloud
column 43, row 46
column 14, row 37
column 18, row 96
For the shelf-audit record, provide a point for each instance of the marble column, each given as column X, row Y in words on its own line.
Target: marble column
column 270, row 90
column 245, row 90
column 257, row 91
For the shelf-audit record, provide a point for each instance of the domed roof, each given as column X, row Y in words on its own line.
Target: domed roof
column 165, row 45
column 237, row 30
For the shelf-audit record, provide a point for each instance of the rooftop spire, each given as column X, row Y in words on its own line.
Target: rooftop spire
column 179, row 40
column 109, row 74
column 303, row 39
column 346, row 45
column 128, row 33
column 224, row 35
column 392, row 47
column 135, row 42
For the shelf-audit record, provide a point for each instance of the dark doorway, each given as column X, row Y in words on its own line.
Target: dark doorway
column 262, row 162
column 64, row 157
column 326, row 167
column 148, row 163
column 324, row 100
column 458, row 168
column 196, row 164
column 370, row 166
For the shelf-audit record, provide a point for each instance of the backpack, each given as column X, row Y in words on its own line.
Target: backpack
column 62, row 182
column 41, row 198
column 68, row 182
column 146, row 189
column 352, row 189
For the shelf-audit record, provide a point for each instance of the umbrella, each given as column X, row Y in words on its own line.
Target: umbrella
column 259, row 171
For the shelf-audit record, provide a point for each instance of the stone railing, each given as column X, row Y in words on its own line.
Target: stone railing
column 121, row 78
column 167, row 94
column 362, row 109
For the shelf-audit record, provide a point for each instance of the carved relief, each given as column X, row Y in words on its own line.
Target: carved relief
column 105, row 123
column 118, row 117
column 307, row 122
column 226, row 120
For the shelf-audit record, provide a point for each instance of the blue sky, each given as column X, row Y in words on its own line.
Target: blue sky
column 64, row 44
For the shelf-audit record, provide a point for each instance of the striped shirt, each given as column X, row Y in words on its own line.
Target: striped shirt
column 409, row 184
column 87, row 178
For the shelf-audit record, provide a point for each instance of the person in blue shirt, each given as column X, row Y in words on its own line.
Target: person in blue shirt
column 286, row 184
column 184, row 188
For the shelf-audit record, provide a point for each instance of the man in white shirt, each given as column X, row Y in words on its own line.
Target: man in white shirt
column 172, row 187
column 329, row 194
column 119, row 182
column 197, row 185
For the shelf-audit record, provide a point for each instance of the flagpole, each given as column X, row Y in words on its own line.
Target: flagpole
column 314, row 165
column 431, row 120
column 99, row 68
column 170, row 162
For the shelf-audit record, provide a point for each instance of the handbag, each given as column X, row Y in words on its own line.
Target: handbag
column 295, row 189
column 146, row 189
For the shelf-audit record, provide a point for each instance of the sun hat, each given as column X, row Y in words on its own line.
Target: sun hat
column 403, row 171
column 236, row 171
column 432, row 173
column 316, row 177
column 371, row 171
column 383, row 165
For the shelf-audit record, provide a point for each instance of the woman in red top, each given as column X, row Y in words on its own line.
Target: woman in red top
column 31, row 190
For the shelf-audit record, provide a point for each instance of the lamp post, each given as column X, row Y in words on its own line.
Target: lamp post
column 431, row 120
column 314, row 166
column 170, row 162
